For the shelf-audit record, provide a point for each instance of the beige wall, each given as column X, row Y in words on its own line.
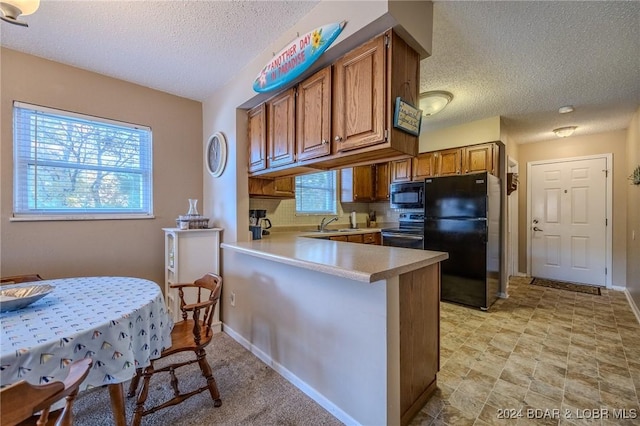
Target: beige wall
column 577, row 146
column 475, row 132
column 633, row 210
column 106, row 247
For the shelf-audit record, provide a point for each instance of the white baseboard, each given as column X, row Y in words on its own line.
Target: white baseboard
column 295, row 380
column 633, row 305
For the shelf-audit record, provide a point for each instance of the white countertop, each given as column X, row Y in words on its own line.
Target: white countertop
column 361, row 262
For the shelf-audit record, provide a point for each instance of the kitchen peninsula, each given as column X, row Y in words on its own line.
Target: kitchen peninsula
column 354, row 326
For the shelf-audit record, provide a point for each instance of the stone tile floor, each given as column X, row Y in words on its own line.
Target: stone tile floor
column 542, row 356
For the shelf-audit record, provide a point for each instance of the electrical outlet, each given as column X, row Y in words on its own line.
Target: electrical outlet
column 233, row 299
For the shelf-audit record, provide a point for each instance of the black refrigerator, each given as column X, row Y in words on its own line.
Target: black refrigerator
column 462, row 217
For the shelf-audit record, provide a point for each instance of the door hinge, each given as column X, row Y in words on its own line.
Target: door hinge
column 605, row 271
column 386, row 41
column 606, row 173
column 606, row 222
column 386, row 135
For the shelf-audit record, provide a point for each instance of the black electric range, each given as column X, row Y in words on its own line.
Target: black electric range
column 408, row 234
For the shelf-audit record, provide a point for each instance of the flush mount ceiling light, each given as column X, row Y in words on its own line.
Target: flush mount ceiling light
column 566, row 109
column 434, row 101
column 563, row 132
column 12, row 9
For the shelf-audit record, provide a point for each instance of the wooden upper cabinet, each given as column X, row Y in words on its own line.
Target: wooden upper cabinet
column 272, row 188
column 257, row 138
column 479, row 158
column 424, row 166
column 359, row 107
column 401, row 170
column 449, row 162
column 313, row 116
column 357, row 184
column 285, row 187
column 382, row 181
column 281, row 116
column 340, row 116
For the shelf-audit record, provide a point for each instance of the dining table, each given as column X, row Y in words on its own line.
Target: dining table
column 121, row 323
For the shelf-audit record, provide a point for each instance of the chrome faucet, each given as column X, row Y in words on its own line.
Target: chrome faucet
column 323, row 224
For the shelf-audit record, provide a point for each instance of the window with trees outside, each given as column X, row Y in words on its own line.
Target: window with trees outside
column 74, row 166
column 316, row 193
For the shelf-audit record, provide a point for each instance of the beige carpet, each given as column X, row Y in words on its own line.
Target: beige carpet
column 252, row 394
column 561, row 285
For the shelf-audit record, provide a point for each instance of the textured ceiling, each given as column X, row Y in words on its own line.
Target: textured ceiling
column 187, row 48
column 521, row 60
column 524, row 60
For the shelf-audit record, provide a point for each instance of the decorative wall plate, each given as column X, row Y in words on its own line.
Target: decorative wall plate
column 216, row 155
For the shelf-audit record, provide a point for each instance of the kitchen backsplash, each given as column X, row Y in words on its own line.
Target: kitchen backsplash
column 283, row 213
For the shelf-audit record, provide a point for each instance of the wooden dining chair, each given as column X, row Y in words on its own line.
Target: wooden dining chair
column 21, row 401
column 192, row 334
column 18, row 279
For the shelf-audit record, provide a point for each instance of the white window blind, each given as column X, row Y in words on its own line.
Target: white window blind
column 316, row 193
column 74, row 166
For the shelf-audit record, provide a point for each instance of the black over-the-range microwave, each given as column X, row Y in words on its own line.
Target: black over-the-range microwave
column 407, row 195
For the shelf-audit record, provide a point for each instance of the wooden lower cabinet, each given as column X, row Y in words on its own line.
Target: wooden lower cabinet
column 355, row 238
column 419, row 294
column 372, row 238
column 368, row 238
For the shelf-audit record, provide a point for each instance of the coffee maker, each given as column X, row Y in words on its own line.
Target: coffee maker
column 258, row 223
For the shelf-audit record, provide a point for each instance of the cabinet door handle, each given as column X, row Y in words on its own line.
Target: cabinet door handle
column 338, row 139
column 324, row 141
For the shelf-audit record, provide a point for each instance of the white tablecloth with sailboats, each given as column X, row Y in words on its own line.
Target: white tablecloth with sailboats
column 119, row 322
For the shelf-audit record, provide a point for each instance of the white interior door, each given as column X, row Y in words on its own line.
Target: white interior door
column 568, row 220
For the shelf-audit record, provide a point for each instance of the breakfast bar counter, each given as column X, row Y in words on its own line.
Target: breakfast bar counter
column 354, row 326
column 359, row 262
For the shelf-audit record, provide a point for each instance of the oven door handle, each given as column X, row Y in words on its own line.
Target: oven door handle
column 407, row 236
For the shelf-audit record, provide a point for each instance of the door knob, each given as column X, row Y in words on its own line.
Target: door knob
column 535, row 228
column 324, row 141
column 338, row 138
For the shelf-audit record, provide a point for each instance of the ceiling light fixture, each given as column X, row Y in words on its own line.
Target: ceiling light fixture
column 434, row 101
column 566, row 109
column 12, row 9
column 563, row 132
